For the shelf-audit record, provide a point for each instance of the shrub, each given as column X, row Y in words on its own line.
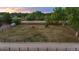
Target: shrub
column 5, row 18
column 16, row 20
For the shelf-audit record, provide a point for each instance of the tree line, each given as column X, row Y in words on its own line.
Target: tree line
column 18, row 17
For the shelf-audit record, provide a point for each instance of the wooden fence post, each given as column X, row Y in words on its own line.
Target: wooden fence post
column 27, row 48
column 75, row 49
column 56, row 49
column 9, row 49
column 47, row 49
column 37, row 49
column 65, row 49
column 19, row 49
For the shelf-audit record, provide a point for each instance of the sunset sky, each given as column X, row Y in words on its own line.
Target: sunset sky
column 26, row 9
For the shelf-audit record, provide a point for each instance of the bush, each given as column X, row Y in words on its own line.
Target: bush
column 16, row 20
column 5, row 18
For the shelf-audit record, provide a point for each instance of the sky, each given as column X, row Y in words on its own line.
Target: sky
column 26, row 9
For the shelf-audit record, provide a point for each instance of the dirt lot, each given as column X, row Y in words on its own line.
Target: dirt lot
column 38, row 33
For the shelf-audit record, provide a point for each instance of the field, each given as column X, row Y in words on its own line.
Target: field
column 38, row 33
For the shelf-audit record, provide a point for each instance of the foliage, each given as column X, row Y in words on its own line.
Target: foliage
column 58, row 14
column 16, row 20
column 35, row 16
column 5, row 18
column 73, row 17
column 48, row 20
column 69, row 14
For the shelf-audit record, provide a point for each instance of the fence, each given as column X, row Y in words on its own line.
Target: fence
column 33, row 22
column 38, row 49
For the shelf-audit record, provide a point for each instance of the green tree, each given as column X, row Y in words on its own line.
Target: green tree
column 16, row 20
column 30, row 17
column 38, row 15
column 73, row 17
column 48, row 20
column 5, row 18
column 59, row 15
column 35, row 16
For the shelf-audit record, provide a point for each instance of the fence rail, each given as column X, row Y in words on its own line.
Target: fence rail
column 38, row 46
column 38, row 49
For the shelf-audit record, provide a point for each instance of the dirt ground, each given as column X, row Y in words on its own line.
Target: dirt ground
column 38, row 33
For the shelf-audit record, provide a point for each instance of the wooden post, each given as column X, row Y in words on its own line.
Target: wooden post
column 9, row 49
column 47, row 49
column 76, row 34
column 27, row 48
column 65, row 49
column 19, row 49
column 75, row 49
column 56, row 49
column 37, row 49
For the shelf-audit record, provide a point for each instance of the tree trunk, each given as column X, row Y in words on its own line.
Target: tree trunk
column 76, row 34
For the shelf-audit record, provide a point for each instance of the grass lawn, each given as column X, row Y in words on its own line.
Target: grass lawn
column 38, row 33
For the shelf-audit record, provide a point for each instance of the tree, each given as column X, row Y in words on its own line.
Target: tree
column 5, row 18
column 47, row 18
column 30, row 17
column 35, row 16
column 38, row 15
column 59, row 15
column 16, row 20
column 69, row 14
column 73, row 17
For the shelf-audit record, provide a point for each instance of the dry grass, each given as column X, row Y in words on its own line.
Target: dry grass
column 38, row 33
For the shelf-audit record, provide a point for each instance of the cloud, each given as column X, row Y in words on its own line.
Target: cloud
column 25, row 9
column 15, row 9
